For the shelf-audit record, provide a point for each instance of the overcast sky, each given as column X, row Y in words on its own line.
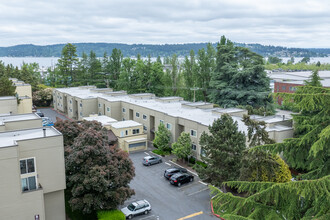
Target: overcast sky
column 291, row 23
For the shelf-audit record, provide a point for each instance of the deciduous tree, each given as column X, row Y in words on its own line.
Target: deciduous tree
column 182, row 147
column 162, row 138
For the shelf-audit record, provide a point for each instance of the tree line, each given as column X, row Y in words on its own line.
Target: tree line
column 227, row 76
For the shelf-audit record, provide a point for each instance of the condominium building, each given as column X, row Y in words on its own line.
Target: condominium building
column 20, row 105
column 33, row 171
column 176, row 114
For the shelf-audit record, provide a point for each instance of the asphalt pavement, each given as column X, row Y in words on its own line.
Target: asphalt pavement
column 52, row 114
column 168, row 202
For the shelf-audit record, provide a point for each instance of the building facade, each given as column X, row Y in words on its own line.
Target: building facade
column 176, row 114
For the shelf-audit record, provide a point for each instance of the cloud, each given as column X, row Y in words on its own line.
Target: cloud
column 294, row 23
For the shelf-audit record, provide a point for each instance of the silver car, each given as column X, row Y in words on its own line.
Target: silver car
column 150, row 160
column 136, row 208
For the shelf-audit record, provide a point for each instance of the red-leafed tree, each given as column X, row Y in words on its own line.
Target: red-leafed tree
column 97, row 173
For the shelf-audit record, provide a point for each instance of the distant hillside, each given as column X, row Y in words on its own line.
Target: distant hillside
column 153, row 50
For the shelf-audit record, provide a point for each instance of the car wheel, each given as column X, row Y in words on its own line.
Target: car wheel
column 179, row 184
column 191, row 179
column 129, row 217
column 146, row 212
column 149, row 164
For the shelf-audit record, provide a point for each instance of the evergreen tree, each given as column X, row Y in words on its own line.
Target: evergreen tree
column 68, row 64
column 222, row 151
column 115, row 63
column 7, row 88
column 239, row 77
column 190, row 74
column 314, row 80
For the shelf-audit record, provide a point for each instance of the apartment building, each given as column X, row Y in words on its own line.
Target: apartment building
column 176, row 114
column 33, row 171
column 9, row 104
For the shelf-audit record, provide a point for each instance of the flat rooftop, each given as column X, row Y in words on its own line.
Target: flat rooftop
column 104, row 120
column 125, row 124
column 10, row 138
column 18, row 117
column 229, row 110
column 174, row 108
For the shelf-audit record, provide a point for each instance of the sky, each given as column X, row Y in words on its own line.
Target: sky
column 290, row 23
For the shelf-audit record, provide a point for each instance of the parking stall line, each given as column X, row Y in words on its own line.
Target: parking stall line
column 168, row 164
column 146, row 153
column 190, row 216
column 203, row 183
column 198, row 191
column 149, row 217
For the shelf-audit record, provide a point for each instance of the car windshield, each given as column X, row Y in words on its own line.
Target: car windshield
column 131, row 207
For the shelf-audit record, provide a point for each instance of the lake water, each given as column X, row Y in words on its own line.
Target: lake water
column 45, row 62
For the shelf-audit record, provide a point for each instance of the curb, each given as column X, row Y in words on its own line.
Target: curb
column 218, row 216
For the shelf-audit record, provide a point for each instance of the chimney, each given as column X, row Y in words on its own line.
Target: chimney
column 283, row 117
column 44, row 130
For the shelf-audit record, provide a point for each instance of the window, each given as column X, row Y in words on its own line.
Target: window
column 144, row 117
column 124, row 119
column 100, row 113
column 136, row 131
column 80, row 105
column 122, row 134
column 70, row 101
column 193, row 146
column 99, row 105
column 168, row 126
column 126, row 132
column 28, row 174
column 283, row 87
column 203, row 152
column 80, row 113
column 161, row 121
column 145, row 128
column 108, row 109
column 70, row 110
column 193, row 133
column 141, row 144
column 124, row 110
column 137, row 115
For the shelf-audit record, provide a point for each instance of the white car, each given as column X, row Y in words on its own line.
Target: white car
column 137, row 208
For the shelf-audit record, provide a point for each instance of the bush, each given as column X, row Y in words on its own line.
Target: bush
column 201, row 163
column 110, row 215
column 160, row 152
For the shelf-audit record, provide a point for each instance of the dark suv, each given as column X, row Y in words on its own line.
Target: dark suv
column 179, row 178
column 169, row 172
column 149, row 160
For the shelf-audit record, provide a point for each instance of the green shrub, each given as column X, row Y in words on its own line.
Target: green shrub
column 160, row 152
column 201, row 163
column 110, row 215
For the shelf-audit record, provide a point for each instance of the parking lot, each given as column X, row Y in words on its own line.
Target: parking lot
column 190, row 201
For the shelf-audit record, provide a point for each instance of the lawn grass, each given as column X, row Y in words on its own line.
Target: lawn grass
column 110, row 215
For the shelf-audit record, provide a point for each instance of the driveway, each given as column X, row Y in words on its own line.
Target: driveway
column 168, row 202
column 52, row 114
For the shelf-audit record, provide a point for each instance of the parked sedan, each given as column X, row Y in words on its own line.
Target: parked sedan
column 180, row 178
column 171, row 171
column 150, row 160
column 136, row 208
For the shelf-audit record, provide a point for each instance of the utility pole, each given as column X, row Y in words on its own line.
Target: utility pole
column 194, row 89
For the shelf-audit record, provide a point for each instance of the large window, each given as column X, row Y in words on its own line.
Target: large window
column 28, row 174
column 136, row 131
column 141, row 144
column 193, row 133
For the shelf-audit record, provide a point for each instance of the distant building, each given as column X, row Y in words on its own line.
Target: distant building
column 176, row 114
column 287, row 82
column 9, row 104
